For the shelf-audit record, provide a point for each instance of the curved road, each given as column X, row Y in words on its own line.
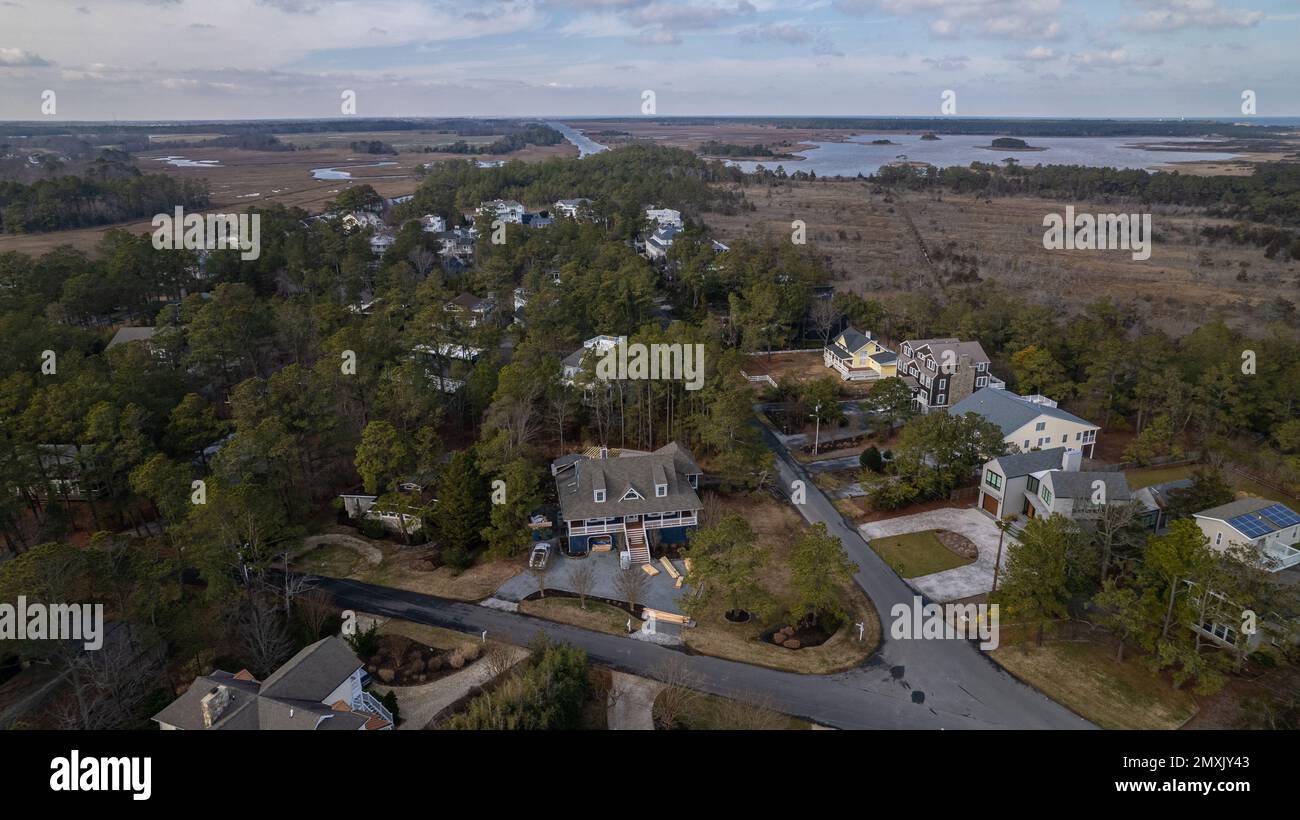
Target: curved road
column 907, row 684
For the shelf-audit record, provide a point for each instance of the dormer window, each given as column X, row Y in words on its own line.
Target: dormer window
column 661, row 490
column 600, row 496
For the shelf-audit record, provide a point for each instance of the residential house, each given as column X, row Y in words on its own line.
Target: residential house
column 1029, row 422
column 541, row 219
column 382, row 241
column 659, row 243
column 457, row 245
column 357, row 220
column 470, row 309
column 571, row 208
column 1156, row 501
column 63, row 468
column 1269, row 530
column 599, row 344
column 1043, row 483
column 398, row 512
column 665, row 217
column 432, row 223
column 942, row 372
column 319, row 688
column 857, row 356
column 627, row 499
column 437, row 361
column 506, row 210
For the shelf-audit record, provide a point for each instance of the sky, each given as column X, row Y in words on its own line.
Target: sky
column 221, row 59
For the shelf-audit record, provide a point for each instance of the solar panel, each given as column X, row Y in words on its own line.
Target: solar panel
column 1280, row 515
column 1249, row 525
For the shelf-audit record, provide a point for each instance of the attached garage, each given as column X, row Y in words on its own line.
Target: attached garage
column 989, row 504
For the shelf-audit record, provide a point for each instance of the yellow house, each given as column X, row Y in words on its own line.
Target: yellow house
column 859, row 357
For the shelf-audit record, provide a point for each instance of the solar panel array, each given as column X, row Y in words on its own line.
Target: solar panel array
column 1280, row 515
column 1250, row 525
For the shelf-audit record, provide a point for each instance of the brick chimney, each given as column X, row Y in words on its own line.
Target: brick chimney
column 214, row 703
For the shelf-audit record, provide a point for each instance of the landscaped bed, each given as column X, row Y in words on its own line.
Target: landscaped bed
column 598, row 615
column 915, row 554
column 401, row 661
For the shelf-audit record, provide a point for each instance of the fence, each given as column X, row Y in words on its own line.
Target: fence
column 761, row 379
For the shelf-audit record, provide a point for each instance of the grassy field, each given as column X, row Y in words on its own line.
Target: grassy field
column 1083, row 675
column 1146, row 476
column 914, row 554
column 864, row 232
column 710, row 713
column 332, row 560
column 598, row 616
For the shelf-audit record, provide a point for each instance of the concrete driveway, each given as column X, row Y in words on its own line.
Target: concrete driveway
column 659, row 592
column 961, row 582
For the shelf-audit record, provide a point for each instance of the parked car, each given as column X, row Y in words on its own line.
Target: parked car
column 540, row 555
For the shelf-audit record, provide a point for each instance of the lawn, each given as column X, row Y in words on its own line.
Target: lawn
column 331, row 560
column 598, row 616
column 1146, row 476
column 707, row 712
column 915, row 554
column 1082, row 675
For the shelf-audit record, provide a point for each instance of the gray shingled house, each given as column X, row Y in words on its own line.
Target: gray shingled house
column 627, row 499
column 319, row 688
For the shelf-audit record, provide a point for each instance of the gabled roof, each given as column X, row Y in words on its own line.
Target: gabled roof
column 314, row 672
column 1009, row 411
column 935, row 348
column 1018, row 464
column 1253, row 517
column 636, row 471
column 132, row 334
column 1156, row 496
column 1080, row 485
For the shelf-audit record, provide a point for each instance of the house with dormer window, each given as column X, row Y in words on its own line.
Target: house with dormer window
column 627, row 500
column 859, row 356
column 942, row 372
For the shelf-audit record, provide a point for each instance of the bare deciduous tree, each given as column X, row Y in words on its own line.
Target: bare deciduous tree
column 498, row 658
column 825, row 318
column 315, row 607
column 261, row 631
column 748, row 713
column 679, row 693
column 583, row 579
column 630, row 584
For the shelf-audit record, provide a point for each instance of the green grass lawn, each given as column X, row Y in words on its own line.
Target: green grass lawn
column 332, row 560
column 914, row 554
column 1146, row 476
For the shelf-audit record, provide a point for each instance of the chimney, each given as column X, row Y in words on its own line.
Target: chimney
column 214, row 704
column 1071, row 460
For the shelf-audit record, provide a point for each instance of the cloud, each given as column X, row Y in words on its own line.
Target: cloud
column 14, row 57
column 956, row 62
column 1003, row 19
column 1112, row 58
column 1174, row 15
column 778, row 32
column 1037, row 54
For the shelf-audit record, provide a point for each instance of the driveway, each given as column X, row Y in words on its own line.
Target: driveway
column 961, row 582
column 631, row 702
column 659, row 592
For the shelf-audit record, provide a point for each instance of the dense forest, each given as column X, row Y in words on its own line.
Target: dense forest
column 64, row 202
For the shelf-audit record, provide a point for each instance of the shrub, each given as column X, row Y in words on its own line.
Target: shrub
column 872, row 460
column 549, row 694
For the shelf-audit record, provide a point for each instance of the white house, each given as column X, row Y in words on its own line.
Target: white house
column 1259, row 525
column 1029, row 422
column 361, row 219
column 570, row 208
column 432, row 223
column 1043, row 483
column 659, row 243
column 381, row 242
column 507, row 210
column 599, row 344
column 666, row 217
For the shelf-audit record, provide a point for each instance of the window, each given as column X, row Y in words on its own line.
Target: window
column 1045, row 494
column 941, row 400
column 1218, row 538
column 1065, row 438
column 1040, row 427
column 661, row 490
column 1078, row 436
column 1026, row 444
column 981, row 366
column 1031, row 485
column 943, row 383
column 600, row 496
column 981, row 381
column 993, row 479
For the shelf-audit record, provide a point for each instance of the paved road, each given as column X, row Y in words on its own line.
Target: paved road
column 955, row 676
column 908, row 684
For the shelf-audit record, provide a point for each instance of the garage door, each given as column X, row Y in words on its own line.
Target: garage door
column 990, row 504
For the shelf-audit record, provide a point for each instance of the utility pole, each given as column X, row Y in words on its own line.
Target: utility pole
column 817, row 414
column 1003, row 525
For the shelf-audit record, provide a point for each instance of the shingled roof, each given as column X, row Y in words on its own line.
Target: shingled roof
column 629, row 482
column 1009, row 411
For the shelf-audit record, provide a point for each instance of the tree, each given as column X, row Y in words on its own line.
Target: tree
column 383, row 457
column 679, row 695
column 819, row 570
column 872, row 460
column 539, row 573
column 1037, row 371
column 1117, row 528
column 725, row 561
column 938, row 452
column 1208, row 489
column 891, row 399
column 262, row 634
column 630, row 585
column 1034, row 589
column 1156, row 440
column 461, row 511
column 582, row 579
column 507, row 533
column 1118, row 609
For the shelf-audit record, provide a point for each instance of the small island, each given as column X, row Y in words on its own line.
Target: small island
column 883, row 142
column 1011, row 144
column 929, row 135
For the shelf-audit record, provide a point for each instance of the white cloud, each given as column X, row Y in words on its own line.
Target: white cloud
column 1173, row 15
column 20, row 57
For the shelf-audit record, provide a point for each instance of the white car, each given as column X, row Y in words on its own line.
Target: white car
column 538, row 557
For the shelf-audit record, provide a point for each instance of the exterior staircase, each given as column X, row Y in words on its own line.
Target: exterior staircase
column 637, row 549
